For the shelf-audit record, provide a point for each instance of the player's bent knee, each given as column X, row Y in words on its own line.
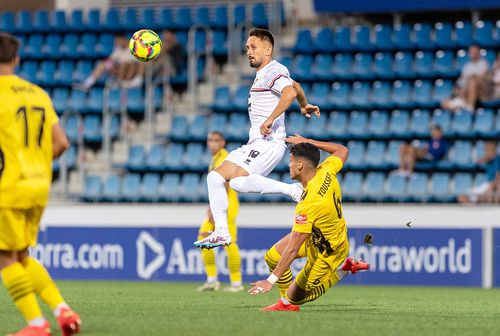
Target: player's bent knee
column 214, row 178
column 237, row 183
column 21, row 255
column 7, row 258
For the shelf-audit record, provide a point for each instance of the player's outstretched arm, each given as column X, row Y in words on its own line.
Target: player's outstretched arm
column 305, row 108
column 59, row 141
column 334, row 149
column 288, row 95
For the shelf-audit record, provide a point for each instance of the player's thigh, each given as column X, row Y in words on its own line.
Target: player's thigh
column 229, row 170
column 14, row 231
column 259, row 157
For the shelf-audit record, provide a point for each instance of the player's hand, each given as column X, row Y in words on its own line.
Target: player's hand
column 308, row 109
column 261, row 286
column 265, row 128
column 295, row 139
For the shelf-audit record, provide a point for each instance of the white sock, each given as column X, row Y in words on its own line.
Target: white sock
column 284, row 300
column 89, row 82
column 37, row 322
column 259, row 184
column 217, row 196
column 59, row 307
column 211, row 278
column 341, row 273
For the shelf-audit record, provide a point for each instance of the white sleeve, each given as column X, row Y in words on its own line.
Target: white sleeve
column 277, row 79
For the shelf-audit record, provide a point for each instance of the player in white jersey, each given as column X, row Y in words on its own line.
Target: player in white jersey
column 245, row 168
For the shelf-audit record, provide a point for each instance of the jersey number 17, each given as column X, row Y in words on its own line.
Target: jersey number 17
column 26, row 115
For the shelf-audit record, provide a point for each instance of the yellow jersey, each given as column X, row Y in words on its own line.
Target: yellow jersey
column 26, row 120
column 320, row 210
column 217, row 159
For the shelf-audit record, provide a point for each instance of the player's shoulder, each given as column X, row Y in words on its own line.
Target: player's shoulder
column 22, row 84
column 276, row 68
column 332, row 163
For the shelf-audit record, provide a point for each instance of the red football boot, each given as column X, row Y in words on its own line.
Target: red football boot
column 34, row 331
column 69, row 322
column 280, row 306
column 354, row 265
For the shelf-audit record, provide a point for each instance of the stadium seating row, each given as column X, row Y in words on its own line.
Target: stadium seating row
column 181, row 18
column 374, row 187
column 375, row 155
column 71, row 160
column 90, row 128
column 443, row 35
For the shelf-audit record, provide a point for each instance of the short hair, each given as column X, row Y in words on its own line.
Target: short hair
column 263, row 34
column 217, row 133
column 306, row 151
column 437, row 128
column 9, row 46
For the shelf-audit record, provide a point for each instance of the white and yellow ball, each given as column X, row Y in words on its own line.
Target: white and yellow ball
column 145, row 45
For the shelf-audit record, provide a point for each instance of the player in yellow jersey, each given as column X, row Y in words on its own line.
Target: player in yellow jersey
column 30, row 137
column 216, row 144
column 319, row 232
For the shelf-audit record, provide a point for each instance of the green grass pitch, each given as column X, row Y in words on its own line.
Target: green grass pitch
column 150, row 308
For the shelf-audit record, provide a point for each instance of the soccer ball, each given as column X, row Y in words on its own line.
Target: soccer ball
column 145, row 45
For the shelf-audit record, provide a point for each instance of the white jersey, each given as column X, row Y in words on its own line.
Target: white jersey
column 265, row 94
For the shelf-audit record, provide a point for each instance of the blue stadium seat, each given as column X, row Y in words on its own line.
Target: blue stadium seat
column 135, row 101
column 193, row 156
column 83, row 69
column 29, row 70
column 71, row 127
column 342, row 66
column 69, row 46
column 378, row 124
column 112, row 20
column 304, row 42
column 402, row 37
column 396, row 188
column 351, row 186
column 461, row 155
column 62, row 76
column 302, row 67
column 381, row 95
column 398, row 126
column 220, row 18
column 147, row 18
column 130, row 190
column 104, row 46
column 189, row 188
column 200, row 41
column 94, row 20
column 392, row 154
column 221, row 41
column 444, row 35
column 95, row 100
column 45, row 75
column 115, row 98
column 362, row 38
column 155, row 158
column 463, row 33
column 324, row 42
column 383, row 37
column 77, row 101
column 322, row 67
column 115, row 127
column 422, row 92
column 356, row 155
column 58, row 21
column 51, row 47
column 182, row 19
column 484, row 123
column 478, row 151
column 358, row 125
column 239, row 13
column 92, row 129
column 166, row 19
column 169, row 188
column 173, row 157
column 179, row 129
column 403, row 65
column 443, row 119
column 149, row 188
column 439, row 188
column 60, row 98
column 23, row 22
column 419, row 124
column 130, row 19
column 198, row 128
column 320, row 95
column 417, row 187
column 316, row 127
column 111, row 189
column 360, row 95
column 362, row 67
column 222, row 100
column 342, row 40
column 461, row 183
column 422, row 36
column 462, row 124
column 259, row 16
column 373, row 189
column 337, row 125
column 7, row 22
column 75, row 22
column 295, row 123
column 401, row 92
column 217, row 122
column 136, row 158
column 423, row 65
column 484, row 34
column 33, row 47
column 442, row 90
column 87, row 45
column 240, row 98
column 41, row 21
column 375, row 155
column 444, row 64
column 382, row 66
column 460, row 59
column 92, row 191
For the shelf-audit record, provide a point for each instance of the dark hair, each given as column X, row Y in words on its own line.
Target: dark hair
column 263, row 34
column 218, row 133
column 437, row 128
column 306, row 151
column 9, row 46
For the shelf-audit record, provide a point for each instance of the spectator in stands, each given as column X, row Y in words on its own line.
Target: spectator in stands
column 433, row 151
column 484, row 192
column 472, row 83
column 120, row 64
column 493, row 81
column 173, row 55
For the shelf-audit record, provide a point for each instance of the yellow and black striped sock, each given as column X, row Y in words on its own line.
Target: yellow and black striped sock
column 272, row 258
column 234, row 263
column 20, row 289
column 43, row 284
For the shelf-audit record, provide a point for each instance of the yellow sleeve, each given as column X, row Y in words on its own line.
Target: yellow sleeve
column 50, row 113
column 305, row 216
column 333, row 164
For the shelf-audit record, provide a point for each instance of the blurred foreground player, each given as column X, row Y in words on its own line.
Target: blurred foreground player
column 319, row 232
column 30, row 137
column 216, row 144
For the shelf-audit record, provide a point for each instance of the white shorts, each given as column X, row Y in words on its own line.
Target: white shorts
column 259, row 157
column 477, row 191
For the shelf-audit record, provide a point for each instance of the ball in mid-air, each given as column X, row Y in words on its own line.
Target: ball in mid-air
column 145, row 45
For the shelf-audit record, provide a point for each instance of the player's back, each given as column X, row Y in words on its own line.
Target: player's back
column 26, row 120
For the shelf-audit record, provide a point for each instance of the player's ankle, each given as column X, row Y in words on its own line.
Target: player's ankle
column 284, row 300
column 37, row 322
column 59, row 308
